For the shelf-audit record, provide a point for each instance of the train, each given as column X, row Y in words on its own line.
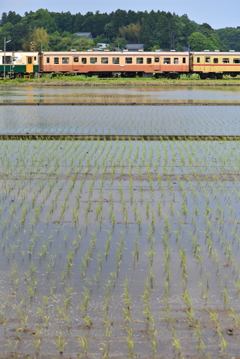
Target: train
column 158, row 64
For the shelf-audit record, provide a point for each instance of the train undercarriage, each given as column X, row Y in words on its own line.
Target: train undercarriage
column 216, row 75
column 162, row 75
column 168, row 75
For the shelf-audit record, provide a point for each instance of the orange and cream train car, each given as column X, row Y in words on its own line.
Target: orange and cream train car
column 145, row 64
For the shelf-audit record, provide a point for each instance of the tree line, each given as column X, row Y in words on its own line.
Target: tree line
column 45, row 30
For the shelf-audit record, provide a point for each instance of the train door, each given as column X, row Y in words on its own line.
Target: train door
column 207, row 64
column 29, row 65
column 83, row 63
column 75, row 64
column 156, row 65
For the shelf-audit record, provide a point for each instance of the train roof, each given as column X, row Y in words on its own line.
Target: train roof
column 112, row 53
column 9, row 53
column 228, row 53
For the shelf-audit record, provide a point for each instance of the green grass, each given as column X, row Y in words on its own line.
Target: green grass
column 184, row 79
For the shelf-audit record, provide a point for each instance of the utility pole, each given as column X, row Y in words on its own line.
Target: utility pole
column 5, row 42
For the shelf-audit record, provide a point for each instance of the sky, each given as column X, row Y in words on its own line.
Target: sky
column 218, row 14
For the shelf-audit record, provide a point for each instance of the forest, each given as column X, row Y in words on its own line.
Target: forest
column 44, row 30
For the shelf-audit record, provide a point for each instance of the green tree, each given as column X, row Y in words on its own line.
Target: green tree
column 38, row 39
column 64, row 44
column 82, row 44
column 230, row 38
column 119, row 42
column 44, row 19
column 154, row 29
column 109, row 30
column 200, row 42
column 131, row 32
column 6, row 32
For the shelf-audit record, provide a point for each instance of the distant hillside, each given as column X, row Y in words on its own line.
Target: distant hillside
column 44, row 30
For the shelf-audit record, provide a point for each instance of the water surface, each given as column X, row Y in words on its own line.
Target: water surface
column 126, row 94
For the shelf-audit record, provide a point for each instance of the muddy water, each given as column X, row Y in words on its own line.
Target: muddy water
column 165, row 216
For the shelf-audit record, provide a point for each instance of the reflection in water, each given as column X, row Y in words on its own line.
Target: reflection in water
column 142, row 94
column 121, row 120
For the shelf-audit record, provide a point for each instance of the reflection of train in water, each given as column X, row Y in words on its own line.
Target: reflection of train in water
column 127, row 64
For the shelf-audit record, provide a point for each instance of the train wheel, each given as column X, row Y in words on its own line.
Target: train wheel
column 203, row 76
column 174, row 76
column 19, row 76
column 219, row 76
column 147, row 75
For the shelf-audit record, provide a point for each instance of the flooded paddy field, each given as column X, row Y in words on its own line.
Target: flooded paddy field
column 161, row 94
column 120, row 120
column 119, row 249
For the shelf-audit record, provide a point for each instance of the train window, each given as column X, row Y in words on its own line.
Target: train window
column 104, row 60
column 93, row 60
column 75, row 59
column 167, row 60
column 48, row 60
column 184, row 60
column 29, row 60
column 128, row 60
column 198, row 60
column 35, row 58
column 176, row 60
column 149, row 60
column 225, row 61
column 84, row 60
column 236, row 61
column 56, row 60
column 156, row 59
column 7, row 58
column 139, row 60
column 65, row 60
column 115, row 60
column 207, row 59
column 215, row 60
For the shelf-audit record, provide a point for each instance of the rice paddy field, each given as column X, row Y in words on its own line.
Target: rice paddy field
column 157, row 94
column 120, row 248
column 120, row 120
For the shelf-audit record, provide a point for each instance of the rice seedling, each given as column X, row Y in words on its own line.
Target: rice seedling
column 83, row 343
column 60, row 343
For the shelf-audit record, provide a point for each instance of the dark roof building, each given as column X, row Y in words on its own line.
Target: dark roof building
column 134, row 47
column 88, row 35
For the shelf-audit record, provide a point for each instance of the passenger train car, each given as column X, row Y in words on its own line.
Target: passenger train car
column 127, row 64
column 116, row 63
column 18, row 64
column 215, row 64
